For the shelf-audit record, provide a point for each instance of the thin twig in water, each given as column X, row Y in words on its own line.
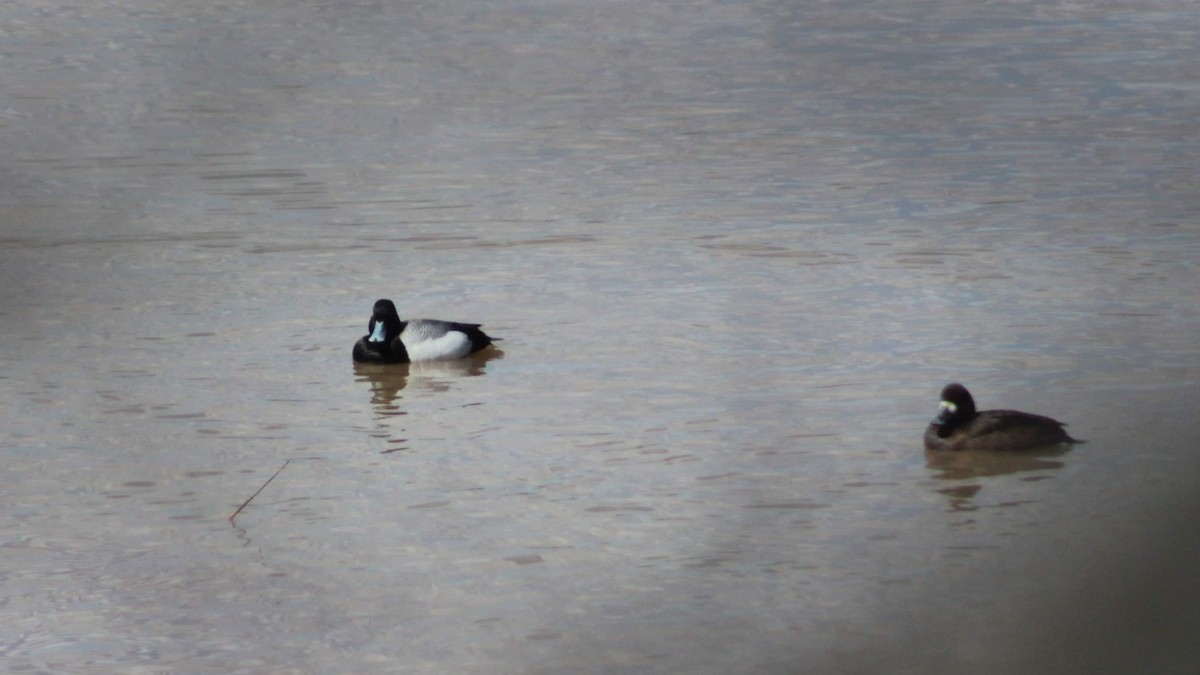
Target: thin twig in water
column 260, row 489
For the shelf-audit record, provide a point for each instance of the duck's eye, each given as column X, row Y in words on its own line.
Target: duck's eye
column 948, row 406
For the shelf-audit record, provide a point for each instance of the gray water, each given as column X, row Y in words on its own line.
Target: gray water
column 733, row 249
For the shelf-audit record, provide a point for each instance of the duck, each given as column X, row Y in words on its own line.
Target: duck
column 959, row 426
column 390, row 340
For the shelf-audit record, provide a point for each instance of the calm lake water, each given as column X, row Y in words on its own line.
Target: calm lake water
column 733, row 249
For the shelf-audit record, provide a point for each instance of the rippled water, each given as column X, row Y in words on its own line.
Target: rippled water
column 733, row 250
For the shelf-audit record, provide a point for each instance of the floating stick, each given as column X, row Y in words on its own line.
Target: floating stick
column 260, row 489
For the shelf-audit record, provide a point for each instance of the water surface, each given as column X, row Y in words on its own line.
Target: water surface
column 734, row 250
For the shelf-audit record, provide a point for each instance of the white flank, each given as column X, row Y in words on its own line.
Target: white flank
column 452, row 345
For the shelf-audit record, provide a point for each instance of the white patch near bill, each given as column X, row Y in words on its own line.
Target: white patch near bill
column 947, row 405
column 452, row 345
column 379, row 334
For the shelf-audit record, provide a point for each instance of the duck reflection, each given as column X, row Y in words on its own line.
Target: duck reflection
column 388, row 380
column 386, row 383
column 960, row 464
column 967, row 464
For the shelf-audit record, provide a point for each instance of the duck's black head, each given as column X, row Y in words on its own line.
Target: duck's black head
column 383, row 309
column 385, row 322
column 956, row 407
